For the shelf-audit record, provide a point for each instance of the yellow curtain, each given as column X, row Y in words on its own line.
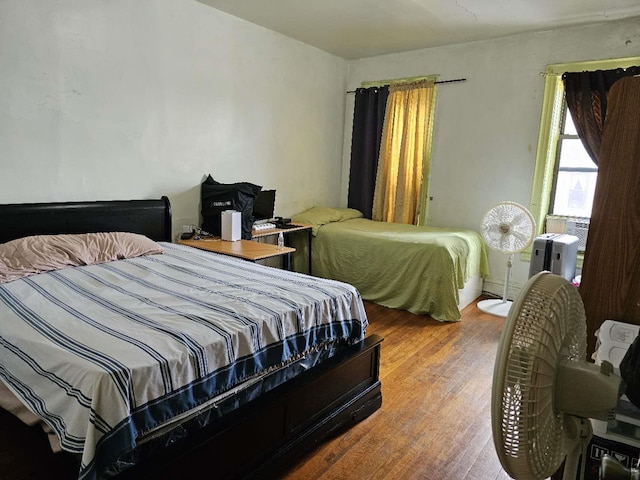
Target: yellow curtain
column 403, row 166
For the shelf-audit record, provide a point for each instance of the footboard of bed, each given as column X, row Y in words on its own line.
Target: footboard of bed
column 274, row 430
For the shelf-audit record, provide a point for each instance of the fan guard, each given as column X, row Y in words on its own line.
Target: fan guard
column 544, row 391
column 508, row 228
column 547, row 320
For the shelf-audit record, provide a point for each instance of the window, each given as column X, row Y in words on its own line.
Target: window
column 564, row 180
column 574, row 179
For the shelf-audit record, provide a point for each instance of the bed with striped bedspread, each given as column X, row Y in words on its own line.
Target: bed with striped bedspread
column 107, row 353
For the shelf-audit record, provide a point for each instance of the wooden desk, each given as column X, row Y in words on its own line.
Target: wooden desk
column 245, row 249
column 299, row 227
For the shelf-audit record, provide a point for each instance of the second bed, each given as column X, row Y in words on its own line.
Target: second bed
column 424, row 270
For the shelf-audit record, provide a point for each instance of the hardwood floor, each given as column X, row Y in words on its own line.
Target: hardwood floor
column 435, row 419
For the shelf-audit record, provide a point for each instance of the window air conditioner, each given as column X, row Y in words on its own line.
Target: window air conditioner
column 578, row 226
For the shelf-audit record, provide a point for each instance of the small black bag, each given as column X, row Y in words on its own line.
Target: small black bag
column 217, row 197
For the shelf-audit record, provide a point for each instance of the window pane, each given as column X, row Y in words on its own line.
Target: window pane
column 574, row 193
column 569, row 127
column 573, row 154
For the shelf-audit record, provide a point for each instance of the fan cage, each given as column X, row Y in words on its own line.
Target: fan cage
column 508, row 227
column 546, row 324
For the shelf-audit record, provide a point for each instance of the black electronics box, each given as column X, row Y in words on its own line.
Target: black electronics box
column 281, row 222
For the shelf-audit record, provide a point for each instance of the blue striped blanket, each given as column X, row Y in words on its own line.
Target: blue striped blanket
column 107, row 353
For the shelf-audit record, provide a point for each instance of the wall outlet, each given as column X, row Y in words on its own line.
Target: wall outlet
column 188, row 228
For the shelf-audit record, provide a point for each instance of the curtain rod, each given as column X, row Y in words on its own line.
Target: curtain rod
column 455, row 80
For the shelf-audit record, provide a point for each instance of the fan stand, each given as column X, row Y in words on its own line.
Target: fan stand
column 499, row 308
column 579, row 432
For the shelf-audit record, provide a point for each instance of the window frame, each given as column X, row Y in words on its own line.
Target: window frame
column 550, row 126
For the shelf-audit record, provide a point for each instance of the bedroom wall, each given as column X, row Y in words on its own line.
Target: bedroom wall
column 486, row 129
column 128, row 99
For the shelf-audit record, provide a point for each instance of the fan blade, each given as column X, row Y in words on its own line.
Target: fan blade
column 518, row 217
column 491, row 234
column 521, row 239
column 506, row 242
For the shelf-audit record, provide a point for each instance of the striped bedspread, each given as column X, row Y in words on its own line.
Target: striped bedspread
column 106, row 353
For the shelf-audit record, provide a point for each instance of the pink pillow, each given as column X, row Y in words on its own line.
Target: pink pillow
column 42, row 253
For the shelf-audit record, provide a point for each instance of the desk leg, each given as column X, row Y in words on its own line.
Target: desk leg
column 309, row 240
column 286, row 261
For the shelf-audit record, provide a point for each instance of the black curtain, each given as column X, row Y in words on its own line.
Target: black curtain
column 586, row 94
column 368, row 120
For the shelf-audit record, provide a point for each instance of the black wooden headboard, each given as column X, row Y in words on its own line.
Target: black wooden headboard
column 147, row 217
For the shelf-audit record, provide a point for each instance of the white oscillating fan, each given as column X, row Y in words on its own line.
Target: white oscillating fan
column 507, row 228
column 544, row 390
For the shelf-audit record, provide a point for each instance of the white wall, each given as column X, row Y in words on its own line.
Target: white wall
column 486, row 129
column 128, row 99
column 137, row 99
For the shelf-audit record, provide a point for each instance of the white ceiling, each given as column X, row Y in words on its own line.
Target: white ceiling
column 363, row 28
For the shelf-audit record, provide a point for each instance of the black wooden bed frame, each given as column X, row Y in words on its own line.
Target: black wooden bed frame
column 257, row 437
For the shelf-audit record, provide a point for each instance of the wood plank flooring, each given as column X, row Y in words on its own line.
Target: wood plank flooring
column 435, row 419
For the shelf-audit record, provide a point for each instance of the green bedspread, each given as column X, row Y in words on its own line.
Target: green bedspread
column 419, row 269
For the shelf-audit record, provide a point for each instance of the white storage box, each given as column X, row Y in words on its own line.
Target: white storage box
column 613, row 340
